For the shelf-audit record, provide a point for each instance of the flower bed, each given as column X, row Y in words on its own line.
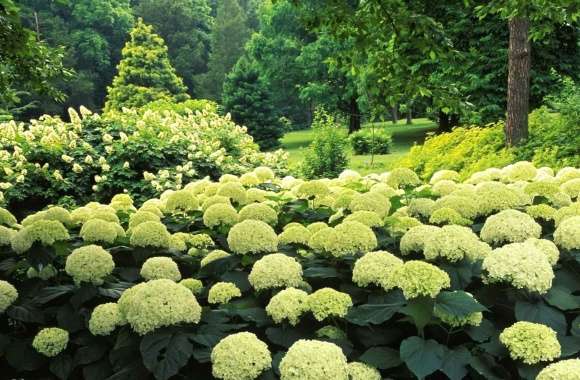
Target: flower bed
column 264, row 277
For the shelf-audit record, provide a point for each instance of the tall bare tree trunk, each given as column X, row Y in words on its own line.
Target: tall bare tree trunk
column 354, row 118
column 409, row 114
column 395, row 114
column 518, row 101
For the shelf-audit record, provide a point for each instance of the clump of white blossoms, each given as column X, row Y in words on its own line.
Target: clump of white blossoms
column 8, row 294
column 252, row 236
column 51, row 341
column 275, row 271
column 313, row 360
column 531, row 342
column 288, row 304
column 376, row 268
column 90, row 264
column 155, row 268
column 509, row 226
column 240, row 356
column 223, row 292
column 105, row 319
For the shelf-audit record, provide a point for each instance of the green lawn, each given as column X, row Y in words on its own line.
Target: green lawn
column 404, row 136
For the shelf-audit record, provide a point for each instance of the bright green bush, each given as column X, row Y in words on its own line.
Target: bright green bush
column 140, row 152
column 326, row 155
column 315, row 292
column 371, row 141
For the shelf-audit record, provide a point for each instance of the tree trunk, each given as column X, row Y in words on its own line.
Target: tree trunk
column 395, row 114
column 518, row 96
column 409, row 115
column 354, row 119
column 447, row 122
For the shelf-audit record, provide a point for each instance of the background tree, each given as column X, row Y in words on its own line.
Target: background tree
column 27, row 65
column 247, row 98
column 185, row 25
column 527, row 20
column 228, row 37
column 145, row 73
column 92, row 33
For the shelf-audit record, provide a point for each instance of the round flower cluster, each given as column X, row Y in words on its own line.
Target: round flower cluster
column 275, row 271
column 192, row 284
column 330, row 332
column 495, row 196
column 547, row 248
column 150, row 234
column 371, row 201
column 362, row 371
column 542, row 211
column 312, row 189
column 8, row 294
column 571, row 187
column 214, row 199
column 54, row 213
column 240, row 356
column 223, row 292
column 509, row 226
column 46, row 232
column 402, row 177
column 45, row 273
column 397, row 226
column 414, row 239
column 441, row 175
column 562, row 370
column 234, row 191
column 448, row 215
column 544, row 189
column 288, row 304
column 567, row 234
column 531, row 342
column 259, row 211
column 181, row 200
column 368, row 218
column 252, row 236
column 98, row 230
column 200, row 241
column 90, row 263
column 6, row 218
column 377, row 268
column 327, row 302
column 158, row 303
column 212, row 256
column 417, row 279
column 520, row 171
column 105, row 319
column 6, row 235
column 467, row 207
column 444, row 187
column 520, row 264
column 142, row 216
column 155, row 268
column 313, row 360
column 50, row 341
column 348, row 238
column 454, row 243
column 296, row 234
column 421, row 207
column 220, row 214
column 566, row 212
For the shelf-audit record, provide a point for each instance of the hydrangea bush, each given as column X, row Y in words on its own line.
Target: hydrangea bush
column 261, row 277
column 142, row 152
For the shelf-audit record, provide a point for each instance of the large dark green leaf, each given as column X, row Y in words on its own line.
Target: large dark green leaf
column 562, row 298
column 381, row 357
column 91, row 353
column 539, row 312
column 420, row 310
column 461, row 273
column 165, row 353
column 285, row 337
column 99, row 370
column 51, row 292
column 458, row 303
column 575, row 329
column 570, row 345
column 455, row 363
column 240, row 279
column 372, row 314
column 22, row 357
column 70, row 319
column 422, row 357
column 486, row 366
column 320, row 272
column 483, row 332
column 61, row 366
column 529, row 372
column 25, row 313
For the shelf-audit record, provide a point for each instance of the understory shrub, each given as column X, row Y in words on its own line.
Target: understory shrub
column 326, row 155
column 261, row 277
column 371, row 141
column 141, row 152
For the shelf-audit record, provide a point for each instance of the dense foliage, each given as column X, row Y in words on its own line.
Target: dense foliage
column 371, row 141
column 263, row 277
column 248, row 99
column 145, row 73
column 142, row 152
column 326, row 155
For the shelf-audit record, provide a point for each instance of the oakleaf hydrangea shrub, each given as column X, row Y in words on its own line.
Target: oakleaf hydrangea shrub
column 257, row 276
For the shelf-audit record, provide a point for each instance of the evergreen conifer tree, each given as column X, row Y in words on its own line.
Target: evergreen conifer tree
column 145, row 73
column 246, row 96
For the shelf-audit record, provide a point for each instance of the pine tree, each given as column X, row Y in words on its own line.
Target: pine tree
column 246, row 96
column 145, row 73
column 228, row 37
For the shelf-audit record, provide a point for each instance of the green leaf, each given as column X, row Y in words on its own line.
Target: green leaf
column 570, row 345
column 285, row 337
column 320, row 272
column 381, row 357
column 99, row 370
column 455, row 363
column 22, row 357
column 373, row 314
column 420, row 310
column 165, row 353
column 539, row 312
column 484, row 365
column 482, row 332
column 91, row 353
column 529, row 372
column 575, row 329
column 562, row 298
column 25, row 313
column 61, row 366
column 422, row 357
column 457, row 303
column 51, row 292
